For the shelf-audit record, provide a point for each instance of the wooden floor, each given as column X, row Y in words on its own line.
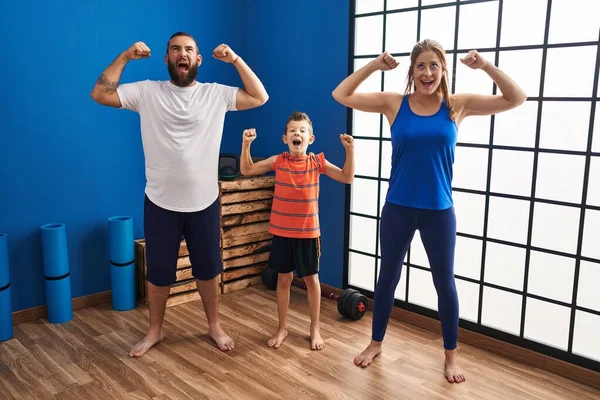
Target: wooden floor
column 87, row 359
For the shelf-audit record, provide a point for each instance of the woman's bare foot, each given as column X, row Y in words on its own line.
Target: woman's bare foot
column 366, row 357
column 452, row 370
column 316, row 341
column 141, row 347
column 279, row 337
column 223, row 341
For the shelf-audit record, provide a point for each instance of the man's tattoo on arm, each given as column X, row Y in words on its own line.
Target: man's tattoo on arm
column 109, row 85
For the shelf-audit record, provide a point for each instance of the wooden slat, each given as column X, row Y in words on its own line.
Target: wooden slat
column 237, row 273
column 247, row 183
column 247, row 249
column 183, row 250
column 243, row 230
column 183, row 298
column 178, row 288
column 247, row 260
column 251, row 195
column 184, row 286
column 242, row 219
column 247, row 207
column 241, row 284
column 183, row 262
column 239, row 240
column 183, row 274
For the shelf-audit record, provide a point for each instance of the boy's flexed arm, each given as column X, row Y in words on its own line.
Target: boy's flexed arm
column 247, row 167
column 346, row 174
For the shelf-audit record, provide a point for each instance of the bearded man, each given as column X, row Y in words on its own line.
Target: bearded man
column 181, row 124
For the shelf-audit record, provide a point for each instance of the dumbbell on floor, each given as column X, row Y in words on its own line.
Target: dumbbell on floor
column 351, row 303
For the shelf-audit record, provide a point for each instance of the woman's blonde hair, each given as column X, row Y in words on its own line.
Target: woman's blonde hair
column 444, row 88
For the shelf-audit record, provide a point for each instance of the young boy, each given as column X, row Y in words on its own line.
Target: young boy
column 294, row 220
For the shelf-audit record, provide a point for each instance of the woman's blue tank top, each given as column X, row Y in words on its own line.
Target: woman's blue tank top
column 422, row 158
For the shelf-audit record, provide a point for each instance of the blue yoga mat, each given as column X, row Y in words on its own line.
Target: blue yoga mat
column 122, row 262
column 57, row 274
column 6, row 323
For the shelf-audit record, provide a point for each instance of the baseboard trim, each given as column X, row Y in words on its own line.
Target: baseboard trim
column 508, row 350
column 35, row 313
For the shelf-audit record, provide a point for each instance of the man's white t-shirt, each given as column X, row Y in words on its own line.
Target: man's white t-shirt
column 181, row 136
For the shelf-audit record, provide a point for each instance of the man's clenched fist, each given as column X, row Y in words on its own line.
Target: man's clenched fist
column 224, row 53
column 137, row 50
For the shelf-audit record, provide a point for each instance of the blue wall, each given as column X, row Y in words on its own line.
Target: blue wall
column 63, row 158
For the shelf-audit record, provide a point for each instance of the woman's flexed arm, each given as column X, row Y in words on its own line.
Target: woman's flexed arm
column 475, row 104
column 378, row 102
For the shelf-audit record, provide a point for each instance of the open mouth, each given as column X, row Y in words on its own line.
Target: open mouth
column 427, row 84
column 183, row 67
column 296, row 142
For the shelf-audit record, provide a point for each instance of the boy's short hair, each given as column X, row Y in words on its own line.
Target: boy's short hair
column 298, row 116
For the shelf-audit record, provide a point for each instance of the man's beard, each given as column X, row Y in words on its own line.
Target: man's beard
column 183, row 79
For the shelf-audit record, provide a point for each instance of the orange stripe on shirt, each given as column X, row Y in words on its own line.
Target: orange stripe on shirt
column 295, row 208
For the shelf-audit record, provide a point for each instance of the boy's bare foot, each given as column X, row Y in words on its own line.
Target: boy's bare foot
column 366, row 357
column 279, row 337
column 223, row 341
column 142, row 347
column 316, row 341
column 452, row 370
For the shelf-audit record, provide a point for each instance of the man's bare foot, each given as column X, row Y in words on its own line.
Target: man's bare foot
column 452, row 370
column 141, row 347
column 223, row 341
column 316, row 341
column 279, row 337
column 366, row 357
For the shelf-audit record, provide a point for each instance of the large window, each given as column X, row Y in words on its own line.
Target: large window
column 526, row 182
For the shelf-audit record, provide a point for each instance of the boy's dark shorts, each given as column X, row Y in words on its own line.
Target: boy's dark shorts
column 163, row 230
column 289, row 254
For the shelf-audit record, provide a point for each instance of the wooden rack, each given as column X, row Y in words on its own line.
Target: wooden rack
column 245, row 204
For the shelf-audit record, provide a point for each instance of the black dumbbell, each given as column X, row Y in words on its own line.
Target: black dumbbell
column 351, row 303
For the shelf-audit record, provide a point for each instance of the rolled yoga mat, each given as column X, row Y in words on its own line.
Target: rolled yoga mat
column 6, row 324
column 56, row 271
column 122, row 262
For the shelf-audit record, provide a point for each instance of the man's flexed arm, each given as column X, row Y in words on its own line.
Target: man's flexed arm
column 253, row 94
column 105, row 90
